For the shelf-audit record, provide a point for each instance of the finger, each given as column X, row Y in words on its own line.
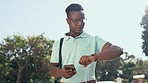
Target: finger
column 70, row 74
column 82, row 60
column 86, row 60
column 89, row 60
column 66, row 73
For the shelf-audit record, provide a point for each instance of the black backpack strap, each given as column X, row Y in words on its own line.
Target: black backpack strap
column 60, row 60
column 60, row 53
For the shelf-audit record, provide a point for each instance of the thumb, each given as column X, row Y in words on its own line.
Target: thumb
column 84, row 66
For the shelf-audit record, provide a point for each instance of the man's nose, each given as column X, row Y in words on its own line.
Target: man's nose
column 80, row 23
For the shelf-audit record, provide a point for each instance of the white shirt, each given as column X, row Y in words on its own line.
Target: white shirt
column 72, row 50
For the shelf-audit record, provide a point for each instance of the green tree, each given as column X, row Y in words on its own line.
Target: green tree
column 30, row 55
column 121, row 67
column 128, row 67
column 144, row 24
column 146, row 69
column 141, row 67
column 5, row 69
column 108, row 70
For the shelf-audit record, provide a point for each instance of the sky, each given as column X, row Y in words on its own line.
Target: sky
column 116, row 21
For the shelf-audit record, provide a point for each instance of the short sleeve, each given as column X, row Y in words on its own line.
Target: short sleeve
column 55, row 52
column 99, row 43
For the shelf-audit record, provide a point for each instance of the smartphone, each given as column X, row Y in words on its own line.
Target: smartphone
column 69, row 66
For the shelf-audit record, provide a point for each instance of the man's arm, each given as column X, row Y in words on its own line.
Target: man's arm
column 108, row 52
column 54, row 70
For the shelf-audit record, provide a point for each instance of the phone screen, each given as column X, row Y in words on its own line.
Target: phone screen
column 70, row 66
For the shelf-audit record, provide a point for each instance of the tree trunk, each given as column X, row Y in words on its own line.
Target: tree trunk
column 19, row 74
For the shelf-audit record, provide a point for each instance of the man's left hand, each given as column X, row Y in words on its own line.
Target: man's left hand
column 86, row 60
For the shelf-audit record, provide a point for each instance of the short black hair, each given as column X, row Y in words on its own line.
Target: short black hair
column 73, row 7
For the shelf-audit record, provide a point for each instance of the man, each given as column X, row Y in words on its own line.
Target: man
column 81, row 50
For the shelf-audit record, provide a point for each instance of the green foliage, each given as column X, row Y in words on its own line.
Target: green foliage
column 144, row 24
column 28, row 57
column 127, row 68
column 124, row 67
column 107, row 70
column 128, row 71
column 5, row 70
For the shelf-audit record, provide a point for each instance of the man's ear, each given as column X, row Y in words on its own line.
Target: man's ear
column 68, row 21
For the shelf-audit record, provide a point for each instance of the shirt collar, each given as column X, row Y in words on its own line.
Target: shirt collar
column 82, row 35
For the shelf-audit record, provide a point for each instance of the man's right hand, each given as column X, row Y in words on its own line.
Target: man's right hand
column 68, row 73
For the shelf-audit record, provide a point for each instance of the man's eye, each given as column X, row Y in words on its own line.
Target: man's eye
column 76, row 20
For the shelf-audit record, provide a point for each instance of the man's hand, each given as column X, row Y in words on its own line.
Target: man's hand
column 86, row 60
column 68, row 73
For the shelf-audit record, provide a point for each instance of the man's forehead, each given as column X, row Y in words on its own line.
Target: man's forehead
column 76, row 13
